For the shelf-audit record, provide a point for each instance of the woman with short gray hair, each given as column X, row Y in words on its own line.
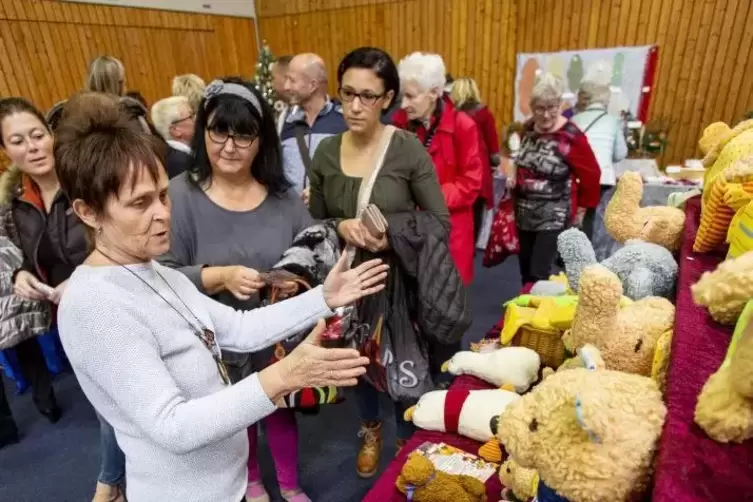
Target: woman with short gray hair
column 555, row 177
column 453, row 142
column 604, row 131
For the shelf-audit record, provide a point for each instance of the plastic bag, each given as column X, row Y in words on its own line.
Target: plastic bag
column 503, row 239
column 398, row 355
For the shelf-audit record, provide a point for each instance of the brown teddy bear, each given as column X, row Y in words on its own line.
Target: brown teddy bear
column 425, row 483
column 624, row 219
column 625, row 336
column 591, row 435
column 520, row 483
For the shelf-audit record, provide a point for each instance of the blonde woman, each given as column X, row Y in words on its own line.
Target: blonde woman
column 467, row 98
column 556, row 178
column 191, row 86
column 106, row 74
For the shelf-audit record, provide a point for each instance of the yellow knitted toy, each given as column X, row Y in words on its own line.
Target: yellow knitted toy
column 726, row 194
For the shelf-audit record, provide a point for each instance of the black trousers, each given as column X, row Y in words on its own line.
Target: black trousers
column 7, row 425
column 34, row 369
column 589, row 220
column 479, row 208
column 538, row 250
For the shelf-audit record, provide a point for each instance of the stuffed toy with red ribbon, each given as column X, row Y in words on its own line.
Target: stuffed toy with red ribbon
column 470, row 413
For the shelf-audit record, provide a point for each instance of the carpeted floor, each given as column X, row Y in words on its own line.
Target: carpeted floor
column 59, row 463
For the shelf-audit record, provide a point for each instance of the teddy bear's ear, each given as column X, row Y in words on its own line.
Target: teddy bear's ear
column 590, row 417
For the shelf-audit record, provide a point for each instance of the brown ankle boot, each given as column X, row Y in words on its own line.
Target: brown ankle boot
column 399, row 446
column 367, row 462
column 108, row 493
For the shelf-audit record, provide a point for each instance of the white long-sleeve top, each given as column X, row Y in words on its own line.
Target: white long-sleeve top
column 144, row 370
column 605, row 137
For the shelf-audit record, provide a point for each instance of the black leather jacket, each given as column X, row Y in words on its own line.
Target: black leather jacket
column 64, row 230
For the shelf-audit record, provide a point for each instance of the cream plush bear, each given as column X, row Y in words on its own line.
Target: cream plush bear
column 513, row 368
column 590, row 435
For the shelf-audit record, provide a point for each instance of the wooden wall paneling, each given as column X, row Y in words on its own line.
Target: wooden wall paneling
column 728, row 45
column 694, row 81
column 739, row 72
column 494, row 88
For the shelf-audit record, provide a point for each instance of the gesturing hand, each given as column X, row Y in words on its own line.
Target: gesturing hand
column 310, row 365
column 343, row 286
column 243, row 282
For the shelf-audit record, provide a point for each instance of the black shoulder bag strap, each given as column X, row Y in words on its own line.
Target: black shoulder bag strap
column 299, row 129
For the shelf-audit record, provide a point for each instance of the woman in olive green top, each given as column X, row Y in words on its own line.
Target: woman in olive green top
column 369, row 81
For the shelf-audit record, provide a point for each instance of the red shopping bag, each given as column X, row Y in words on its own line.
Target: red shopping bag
column 503, row 237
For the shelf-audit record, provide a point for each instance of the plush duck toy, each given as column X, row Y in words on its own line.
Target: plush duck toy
column 470, row 413
column 512, row 368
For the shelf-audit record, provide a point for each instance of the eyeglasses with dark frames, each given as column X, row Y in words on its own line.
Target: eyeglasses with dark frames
column 367, row 98
column 239, row 140
column 188, row 117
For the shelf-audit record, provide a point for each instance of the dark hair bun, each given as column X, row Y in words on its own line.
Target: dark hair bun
column 90, row 113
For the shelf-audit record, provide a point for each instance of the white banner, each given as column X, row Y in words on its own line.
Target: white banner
column 628, row 68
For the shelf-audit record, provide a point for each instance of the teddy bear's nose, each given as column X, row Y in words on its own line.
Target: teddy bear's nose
column 494, row 424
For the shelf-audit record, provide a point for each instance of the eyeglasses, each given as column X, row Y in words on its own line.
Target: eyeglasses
column 189, row 117
column 239, row 140
column 367, row 98
column 541, row 110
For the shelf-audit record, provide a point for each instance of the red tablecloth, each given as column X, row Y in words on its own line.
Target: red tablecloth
column 690, row 467
column 384, row 489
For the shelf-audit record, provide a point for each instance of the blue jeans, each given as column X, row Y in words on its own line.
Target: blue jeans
column 112, row 471
column 367, row 398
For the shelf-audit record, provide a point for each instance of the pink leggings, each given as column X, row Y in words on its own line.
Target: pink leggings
column 282, row 436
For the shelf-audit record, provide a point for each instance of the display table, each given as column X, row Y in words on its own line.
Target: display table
column 384, row 489
column 690, row 467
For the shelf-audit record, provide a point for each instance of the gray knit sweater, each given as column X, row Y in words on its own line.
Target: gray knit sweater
column 141, row 366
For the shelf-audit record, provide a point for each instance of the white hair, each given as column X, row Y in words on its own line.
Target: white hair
column 548, row 87
column 595, row 84
column 423, row 68
column 166, row 111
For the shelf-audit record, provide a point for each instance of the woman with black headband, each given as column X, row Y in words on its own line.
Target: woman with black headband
column 233, row 217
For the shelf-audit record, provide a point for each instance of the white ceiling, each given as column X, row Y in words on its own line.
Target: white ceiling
column 241, row 8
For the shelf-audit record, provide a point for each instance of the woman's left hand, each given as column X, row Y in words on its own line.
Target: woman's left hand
column 344, row 286
column 579, row 215
column 375, row 244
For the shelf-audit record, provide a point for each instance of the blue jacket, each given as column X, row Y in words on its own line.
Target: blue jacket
column 329, row 123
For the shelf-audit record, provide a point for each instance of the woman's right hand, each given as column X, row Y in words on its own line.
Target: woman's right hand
column 310, row 365
column 242, row 282
column 29, row 287
column 353, row 232
column 510, row 181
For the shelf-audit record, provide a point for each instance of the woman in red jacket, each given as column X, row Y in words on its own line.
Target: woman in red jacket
column 453, row 142
column 467, row 98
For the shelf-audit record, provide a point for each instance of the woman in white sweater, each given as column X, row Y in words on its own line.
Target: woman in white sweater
column 146, row 345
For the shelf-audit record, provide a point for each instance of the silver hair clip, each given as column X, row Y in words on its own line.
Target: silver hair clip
column 217, row 87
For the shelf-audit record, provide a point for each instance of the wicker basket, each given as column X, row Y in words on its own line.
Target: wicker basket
column 547, row 344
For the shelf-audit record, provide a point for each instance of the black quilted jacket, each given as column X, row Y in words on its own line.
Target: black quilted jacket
column 436, row 297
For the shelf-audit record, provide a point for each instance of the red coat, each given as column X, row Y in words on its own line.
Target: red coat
column 455, row 150
column 490, row 146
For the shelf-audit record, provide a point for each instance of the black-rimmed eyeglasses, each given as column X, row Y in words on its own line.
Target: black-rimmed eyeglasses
column 239, row 140
column 189, row 117
column 367, row 98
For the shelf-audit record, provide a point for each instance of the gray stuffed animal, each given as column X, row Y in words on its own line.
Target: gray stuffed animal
column 645, row 269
